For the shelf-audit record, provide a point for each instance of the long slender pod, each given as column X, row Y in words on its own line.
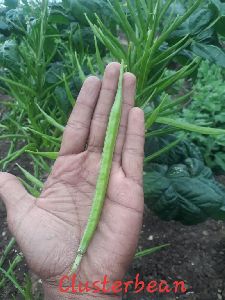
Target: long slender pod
column 104, row 173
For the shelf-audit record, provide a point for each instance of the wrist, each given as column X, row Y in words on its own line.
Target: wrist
column 54, row 293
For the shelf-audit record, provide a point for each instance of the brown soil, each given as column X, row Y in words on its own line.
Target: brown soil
column 196, row 255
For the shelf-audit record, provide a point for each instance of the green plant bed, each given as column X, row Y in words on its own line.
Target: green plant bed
column 208, row 109
column 44, row 61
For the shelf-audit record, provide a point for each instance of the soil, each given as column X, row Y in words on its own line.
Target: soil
column 196, row 255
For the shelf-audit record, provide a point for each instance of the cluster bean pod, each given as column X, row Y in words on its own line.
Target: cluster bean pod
column 104, row 173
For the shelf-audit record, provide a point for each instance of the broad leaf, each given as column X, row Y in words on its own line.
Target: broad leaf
column 218, row 8
column 9, row 54
column 78, row 8
column 184, row 192
column 11, row 3
column 209, row 52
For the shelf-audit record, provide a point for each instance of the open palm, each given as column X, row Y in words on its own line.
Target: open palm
column 49, row 229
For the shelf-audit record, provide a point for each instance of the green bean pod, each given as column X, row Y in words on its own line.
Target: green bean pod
column 104, row 173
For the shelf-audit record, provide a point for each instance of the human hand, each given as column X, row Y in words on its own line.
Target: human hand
column 49, row 229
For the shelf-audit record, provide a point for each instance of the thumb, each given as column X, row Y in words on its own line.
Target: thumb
column 17, row 200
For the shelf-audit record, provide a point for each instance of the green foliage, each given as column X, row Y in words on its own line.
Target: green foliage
column 210, row 52
column 43, row 74
column 208, row 109
column 149, row 251
column 11, row 3
column 44, row 70
column 218, row 9
column 143, row 45
column 9, row 55
column 79, row 8
column 204, row 26
column 8, row 274
column 178, row 186
column 168, row 192
column 12, row 20
column 47, row 50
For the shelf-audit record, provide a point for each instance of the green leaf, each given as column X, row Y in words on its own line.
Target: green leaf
column 51, row 121
column 17, row 84
column 98, row 57
column 163, row 150
column 194, row 24
column 58, row 17
column 80, row 70
column 83, row 38
column 30, row 189
column 176, row 154
column 12, row 156
column 177, row 101
column 51, row 139
column 80, row 7
column 51, row 155
column 189, row 127
column 14, row 282
column 31, row 178
column 54, row 72
column 209, row 52
column 218, row 8
column 11, row 3
column 154, row 114
column 16, row 20
column 3, row 26
column 68, row 91
column 9, row 56
column 6, row 251
column 168, row 193
column 62, row 99
column 220, row 160
column 150, row 251
column 117, row 8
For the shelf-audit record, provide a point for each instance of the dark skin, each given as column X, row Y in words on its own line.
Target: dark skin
column 48, row 229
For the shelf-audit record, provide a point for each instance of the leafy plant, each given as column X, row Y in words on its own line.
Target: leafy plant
column 8, row 274
column 12, row 20
column 44, row 94
column 178, row 186
column 168, row 192
column 148, row 50
column 143, row 45
column 79, row 8
column 207, row 109
column 41, row 73
column 44, row 61
column 205, row 27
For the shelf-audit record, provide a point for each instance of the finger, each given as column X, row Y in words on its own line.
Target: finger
column 103, row 107
column 17, row 200
column 77, row 129
column 129, row 87
column 133, row 150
